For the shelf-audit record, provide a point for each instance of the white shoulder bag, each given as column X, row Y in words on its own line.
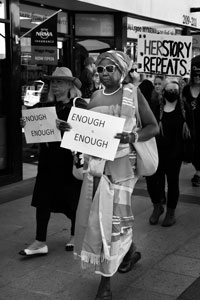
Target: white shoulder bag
column 147, row 152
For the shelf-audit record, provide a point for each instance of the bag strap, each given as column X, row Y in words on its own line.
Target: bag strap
column 138, row 119
column 74, row 101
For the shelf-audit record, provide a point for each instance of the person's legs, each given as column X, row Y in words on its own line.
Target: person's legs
column 42, row 220
column 196, row 163
column 173, row 171
column 156, row 191
column 104, row 290
column 39, row 247
column 130, row 259
column 71, row 212
column 70, row 243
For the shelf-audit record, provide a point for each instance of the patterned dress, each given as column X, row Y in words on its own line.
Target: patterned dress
column 104, row 220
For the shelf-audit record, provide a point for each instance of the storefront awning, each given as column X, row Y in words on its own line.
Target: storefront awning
column 93, row 45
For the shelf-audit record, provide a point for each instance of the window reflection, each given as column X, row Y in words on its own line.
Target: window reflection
column 2, row 9
column 2, row 42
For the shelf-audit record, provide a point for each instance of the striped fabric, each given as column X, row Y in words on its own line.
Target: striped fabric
column 104, row 221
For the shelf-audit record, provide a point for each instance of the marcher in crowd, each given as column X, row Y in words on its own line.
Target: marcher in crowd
column 146, row 87
column 106, row 241
column 134, row 75
column 154, row 101
column 97, row 83
column 171, row 115
column 86, row 78
column 191, row 94
column 56, row 190
column 156, row 94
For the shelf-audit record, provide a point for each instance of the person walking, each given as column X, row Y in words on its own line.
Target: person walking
column 191, row 94
column 154, row 101
column 104, row 220
column 56, row 189
column 86, row 78
column 96, row 80
column 176, row 129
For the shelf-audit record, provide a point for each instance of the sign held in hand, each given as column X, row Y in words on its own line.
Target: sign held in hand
column 40, row 125
column 93, row 133
column 164, row 54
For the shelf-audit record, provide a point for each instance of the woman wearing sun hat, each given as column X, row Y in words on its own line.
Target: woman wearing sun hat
column 56, row 190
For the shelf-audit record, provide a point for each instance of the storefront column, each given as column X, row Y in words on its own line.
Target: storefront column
column 13, row 171
column 120, row 31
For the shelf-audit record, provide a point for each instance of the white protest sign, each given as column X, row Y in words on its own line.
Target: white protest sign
column 41, row 125
column 93, row 133
column 164, row 54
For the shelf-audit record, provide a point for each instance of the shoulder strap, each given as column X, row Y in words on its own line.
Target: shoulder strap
column 139, row 122
column 128, row 106
column 74, row 101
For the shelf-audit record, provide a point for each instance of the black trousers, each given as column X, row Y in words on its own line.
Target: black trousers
column 169, row 171
column 42, row 220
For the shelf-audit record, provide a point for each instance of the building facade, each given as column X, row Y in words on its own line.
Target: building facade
column 83, row 28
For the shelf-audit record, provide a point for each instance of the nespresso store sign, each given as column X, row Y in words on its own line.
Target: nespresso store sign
column 135, row 26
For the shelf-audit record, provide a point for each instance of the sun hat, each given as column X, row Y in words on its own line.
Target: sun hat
column 65, row 74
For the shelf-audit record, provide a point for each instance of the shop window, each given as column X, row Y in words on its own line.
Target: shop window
column 30, row 16
column 94, row 25
column 3, row 9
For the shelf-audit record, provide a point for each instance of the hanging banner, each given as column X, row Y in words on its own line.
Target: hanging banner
column 44, row 42
column 164, row 54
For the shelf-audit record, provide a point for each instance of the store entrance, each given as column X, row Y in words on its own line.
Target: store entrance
column 89, row 47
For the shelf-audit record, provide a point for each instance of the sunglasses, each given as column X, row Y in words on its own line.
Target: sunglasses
column 108, row 68
column 132, row 70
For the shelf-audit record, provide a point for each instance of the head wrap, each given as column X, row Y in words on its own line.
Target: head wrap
column 119, row 58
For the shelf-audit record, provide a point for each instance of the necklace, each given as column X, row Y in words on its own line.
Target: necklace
column 109, row 94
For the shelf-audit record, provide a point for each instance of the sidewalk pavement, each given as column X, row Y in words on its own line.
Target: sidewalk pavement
column 169, row 268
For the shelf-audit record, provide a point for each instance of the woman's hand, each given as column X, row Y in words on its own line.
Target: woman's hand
column 127, row 138
column 62, row 125
column 22, row 122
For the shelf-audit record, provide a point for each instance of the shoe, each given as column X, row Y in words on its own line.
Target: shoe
column 157, row 212
column 130, row 259
column 196, row 180
column 70, row 245
column 169, row 219
column 106, row 296
column 35, row 252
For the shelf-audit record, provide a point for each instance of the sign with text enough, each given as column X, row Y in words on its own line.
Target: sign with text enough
column 40, row 125
column 164, row 54
column 93, row 133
